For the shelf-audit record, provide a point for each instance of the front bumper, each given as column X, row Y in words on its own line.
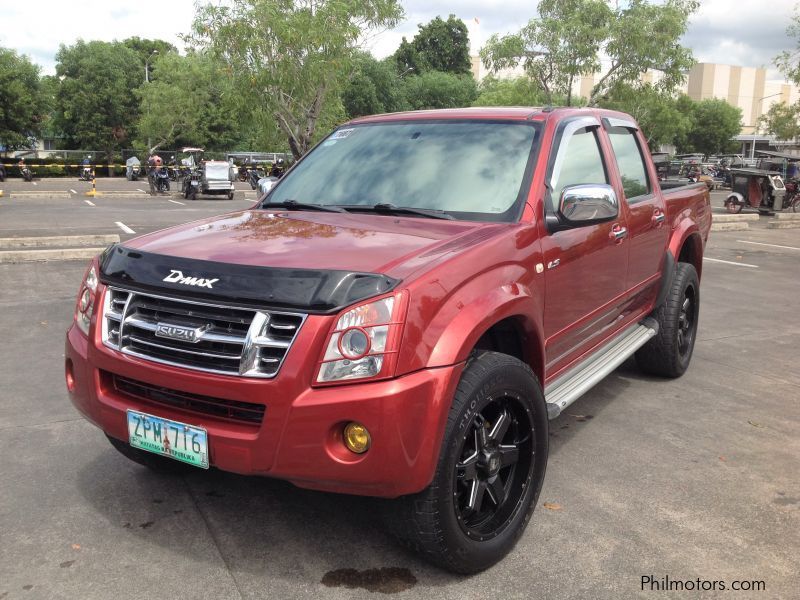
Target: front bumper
column 299, row 438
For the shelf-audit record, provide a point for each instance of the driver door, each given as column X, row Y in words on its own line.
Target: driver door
column 585, row 265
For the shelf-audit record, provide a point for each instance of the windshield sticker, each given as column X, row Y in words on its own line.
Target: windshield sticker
column 328, row 142
column 342, row 134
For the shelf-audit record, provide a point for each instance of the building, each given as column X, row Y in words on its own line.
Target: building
column 744, row 87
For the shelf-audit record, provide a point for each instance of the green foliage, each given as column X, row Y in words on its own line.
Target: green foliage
column 290, row 58
column 714, row 124
column 148, row 51
column 22, row 105
column 373, row 88
column 789, row 61
column 190, row 101
column 782, row 120
column 436, row 89
column 519, row 91
column 568, row 37
column 658, row 113
column 438, row 46
column 95, row 104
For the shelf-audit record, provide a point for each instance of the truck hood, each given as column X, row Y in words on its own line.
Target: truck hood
column 394, row 246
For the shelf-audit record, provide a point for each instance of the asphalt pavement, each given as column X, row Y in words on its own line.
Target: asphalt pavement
column 690, row 478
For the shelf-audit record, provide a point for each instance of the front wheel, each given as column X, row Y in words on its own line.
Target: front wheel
column 668, row 353
column 490, row 471
column 795, row 204
column 733, row 206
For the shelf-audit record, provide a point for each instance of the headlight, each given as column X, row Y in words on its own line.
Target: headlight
column 84, row 307
column 364, row 342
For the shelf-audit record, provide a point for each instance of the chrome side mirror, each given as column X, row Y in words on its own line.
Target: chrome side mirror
column 586, row 204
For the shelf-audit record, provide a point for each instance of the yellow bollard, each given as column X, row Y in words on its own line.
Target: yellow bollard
column 93, row 192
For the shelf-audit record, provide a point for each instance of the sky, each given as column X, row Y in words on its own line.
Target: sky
column 748, row 33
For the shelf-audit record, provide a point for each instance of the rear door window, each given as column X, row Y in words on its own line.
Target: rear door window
column 630, row 162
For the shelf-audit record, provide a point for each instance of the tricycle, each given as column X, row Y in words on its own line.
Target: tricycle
column 213, row 177
column 760, row 189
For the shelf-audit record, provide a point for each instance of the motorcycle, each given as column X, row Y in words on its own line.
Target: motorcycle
column 86, row 173
column 254, row 175
column 160, row 179
column 133, row 169
column 26, row 173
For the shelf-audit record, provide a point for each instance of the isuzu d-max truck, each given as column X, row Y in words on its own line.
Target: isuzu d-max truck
column 400, row 316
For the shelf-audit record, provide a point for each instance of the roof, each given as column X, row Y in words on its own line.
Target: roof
column 505, row 113
column 785, row 155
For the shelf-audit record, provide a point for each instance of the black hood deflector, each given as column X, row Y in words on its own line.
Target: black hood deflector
column 308, row 290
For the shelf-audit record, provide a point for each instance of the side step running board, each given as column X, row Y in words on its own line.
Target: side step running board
column 581, row 378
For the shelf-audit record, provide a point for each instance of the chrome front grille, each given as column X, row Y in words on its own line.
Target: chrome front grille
column 207, row 337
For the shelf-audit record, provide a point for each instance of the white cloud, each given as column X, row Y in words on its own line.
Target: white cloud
column 742, row 32
column 38, row 28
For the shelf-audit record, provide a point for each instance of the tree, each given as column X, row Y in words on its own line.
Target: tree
column 567, row 39
column 291, row 57
column 148, row 50
column 438, row 46
column 96, row 107
column 782, row 120
column 373, row 88
column 789, row 61
column 518, row 91
column 190, row 101
column 22, row 105
column 657, row 113
column 714, row 124
column 436, row 89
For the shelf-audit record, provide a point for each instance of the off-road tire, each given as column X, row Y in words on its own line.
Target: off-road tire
column 430, row 522
column 669, row 352
column 154, row 462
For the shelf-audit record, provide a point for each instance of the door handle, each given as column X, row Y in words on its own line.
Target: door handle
column 659, row 217
column 618, row 233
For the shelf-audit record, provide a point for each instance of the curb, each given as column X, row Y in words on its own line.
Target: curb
column 783, row 216
column 58, row 240
column 785, row 224
column 726, row 218
column 18, row 256
column 37, row 194
column 731, row 226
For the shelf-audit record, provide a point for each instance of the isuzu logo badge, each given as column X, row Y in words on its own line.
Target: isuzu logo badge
column 176, row 276
column 180, row 333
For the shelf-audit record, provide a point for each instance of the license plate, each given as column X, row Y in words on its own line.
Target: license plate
column 180, row 441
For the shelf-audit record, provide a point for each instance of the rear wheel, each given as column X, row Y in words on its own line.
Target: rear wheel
column 668, row 353
column 490, row 470
column 230, row 195
column 795, row 204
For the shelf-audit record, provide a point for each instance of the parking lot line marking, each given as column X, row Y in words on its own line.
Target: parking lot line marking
column 33, row 182
column 770, row 245
column 89, row 202
column 124, row 227
column 176, row 202
column 729, row 262
column 73, row 191
column 140, row 190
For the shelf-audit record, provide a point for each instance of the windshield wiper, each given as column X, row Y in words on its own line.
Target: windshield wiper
column 295, row 205
column 388, row 208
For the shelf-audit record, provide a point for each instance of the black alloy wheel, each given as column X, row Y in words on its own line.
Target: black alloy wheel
column 496, row 456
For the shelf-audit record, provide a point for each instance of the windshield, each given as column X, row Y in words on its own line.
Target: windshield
column 473, row 170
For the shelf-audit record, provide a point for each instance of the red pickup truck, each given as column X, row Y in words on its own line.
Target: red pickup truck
column 400, row 316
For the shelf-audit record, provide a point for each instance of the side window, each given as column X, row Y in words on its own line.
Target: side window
column 630, row 162
column 579, row 162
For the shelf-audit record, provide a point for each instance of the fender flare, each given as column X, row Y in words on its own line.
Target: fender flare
column 685, row 230
column 666, row 278
column 476, row 318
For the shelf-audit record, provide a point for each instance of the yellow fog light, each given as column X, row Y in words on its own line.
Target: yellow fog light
column 356, row 438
